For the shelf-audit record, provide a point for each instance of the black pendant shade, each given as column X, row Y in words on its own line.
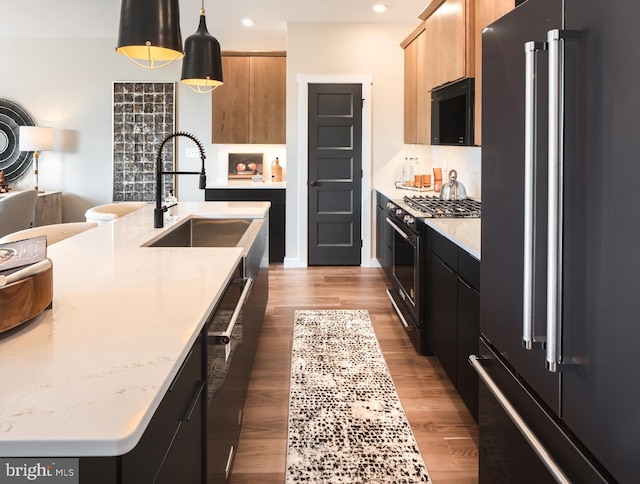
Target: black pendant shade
column 149, row 32
column 202, row 64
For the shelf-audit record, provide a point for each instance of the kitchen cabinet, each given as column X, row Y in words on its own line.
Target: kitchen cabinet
column 277, row 212
column 384, row 236
column 411, row 92
column 452, row 30
column 435, row 53
column 468, row 328
column 453, row 304
column 171, row 446
column 486, row 12
column 250, row 106
column 48, row 209
column 451, row 43
column 417, row 103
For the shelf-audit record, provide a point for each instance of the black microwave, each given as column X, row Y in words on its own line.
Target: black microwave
column 452, row 114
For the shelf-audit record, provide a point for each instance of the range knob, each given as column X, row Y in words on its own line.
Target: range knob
column 409, row 220
column 391, row 206
column 399, row 212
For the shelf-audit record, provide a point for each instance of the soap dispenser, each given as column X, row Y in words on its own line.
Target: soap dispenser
column 171, row 203
column 276, row 171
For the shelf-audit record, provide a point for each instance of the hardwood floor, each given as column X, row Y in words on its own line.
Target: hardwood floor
column 446, row 433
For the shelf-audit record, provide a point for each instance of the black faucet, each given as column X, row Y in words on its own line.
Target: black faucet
column 158, row 213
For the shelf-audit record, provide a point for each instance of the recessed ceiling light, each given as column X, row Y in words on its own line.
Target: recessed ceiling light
column 247, row 22
column 379, row 8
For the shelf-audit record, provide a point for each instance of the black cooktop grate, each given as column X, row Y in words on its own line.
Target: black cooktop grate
column 434, row 207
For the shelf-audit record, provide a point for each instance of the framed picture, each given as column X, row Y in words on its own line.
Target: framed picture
column 143, row 115
column 244, row 165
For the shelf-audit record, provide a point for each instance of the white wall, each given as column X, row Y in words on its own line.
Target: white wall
column 344, row 49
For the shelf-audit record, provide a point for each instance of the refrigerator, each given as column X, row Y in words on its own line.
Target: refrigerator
column 559, row 349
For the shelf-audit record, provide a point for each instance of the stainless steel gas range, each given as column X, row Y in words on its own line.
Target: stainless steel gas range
column 408, row 244
column 434, row 207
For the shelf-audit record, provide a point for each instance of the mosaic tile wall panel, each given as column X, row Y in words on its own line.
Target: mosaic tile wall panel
column 143, row 115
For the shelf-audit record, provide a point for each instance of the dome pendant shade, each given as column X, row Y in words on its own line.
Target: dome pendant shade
column 149, row 32
column 202, row 64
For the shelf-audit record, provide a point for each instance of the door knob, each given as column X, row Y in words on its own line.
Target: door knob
column 314, row 183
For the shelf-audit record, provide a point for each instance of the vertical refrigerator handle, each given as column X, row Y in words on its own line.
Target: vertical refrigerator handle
column 555, row 44
column 554, row 216
column 529, row 340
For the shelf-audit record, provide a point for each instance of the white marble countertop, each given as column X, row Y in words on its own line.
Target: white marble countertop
column 465, row 232
column 246, row 184
column 85, row 377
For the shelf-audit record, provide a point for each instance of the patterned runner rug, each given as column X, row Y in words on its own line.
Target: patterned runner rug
column 346, row 422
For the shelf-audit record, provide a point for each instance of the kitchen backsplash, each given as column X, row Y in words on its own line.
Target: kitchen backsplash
column 465, row 160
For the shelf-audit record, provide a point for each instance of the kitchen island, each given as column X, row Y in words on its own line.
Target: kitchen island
column 86, row 377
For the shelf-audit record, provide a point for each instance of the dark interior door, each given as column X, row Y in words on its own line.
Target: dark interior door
column 335, row 174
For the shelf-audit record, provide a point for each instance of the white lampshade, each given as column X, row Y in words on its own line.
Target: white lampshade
column 35, row 138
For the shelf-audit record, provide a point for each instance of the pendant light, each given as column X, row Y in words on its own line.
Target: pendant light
column 149, row 33
column 202, row 64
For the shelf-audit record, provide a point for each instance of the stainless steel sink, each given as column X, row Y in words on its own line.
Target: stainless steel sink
column 209, row 232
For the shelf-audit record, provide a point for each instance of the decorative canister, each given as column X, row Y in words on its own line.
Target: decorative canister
column 276, row 171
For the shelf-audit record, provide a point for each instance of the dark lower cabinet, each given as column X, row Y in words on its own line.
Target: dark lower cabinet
column 172, row 443
column 453, row 312
column 277, row 215
column 183, row 462
column 172, row 448
column 468, row 333
column 443, row 282
column 384, row 236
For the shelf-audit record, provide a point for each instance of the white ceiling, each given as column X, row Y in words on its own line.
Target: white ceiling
column 99, row 18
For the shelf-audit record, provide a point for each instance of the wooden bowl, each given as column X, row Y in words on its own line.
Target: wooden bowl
column 25, row 299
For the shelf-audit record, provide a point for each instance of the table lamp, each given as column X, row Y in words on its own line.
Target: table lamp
column 36, row 139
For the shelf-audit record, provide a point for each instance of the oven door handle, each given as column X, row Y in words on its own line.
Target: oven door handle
column 397, row 309
column 224, row 338
column 399, row 230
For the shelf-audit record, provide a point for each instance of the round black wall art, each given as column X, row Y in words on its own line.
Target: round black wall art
column 13, row 162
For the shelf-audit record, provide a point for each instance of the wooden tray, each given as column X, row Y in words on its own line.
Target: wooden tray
column 25, row 299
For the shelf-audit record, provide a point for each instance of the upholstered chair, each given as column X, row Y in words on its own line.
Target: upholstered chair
column 111, row 211
column 54, row 233
column 17, row 211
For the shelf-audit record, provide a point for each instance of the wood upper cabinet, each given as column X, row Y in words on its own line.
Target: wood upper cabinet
column 250, row 106
column 417, row 99
column 434, row 54
column 449, row 28
column 486, row 12
column 230, row 103
column 267, row 103
column 411, row 93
